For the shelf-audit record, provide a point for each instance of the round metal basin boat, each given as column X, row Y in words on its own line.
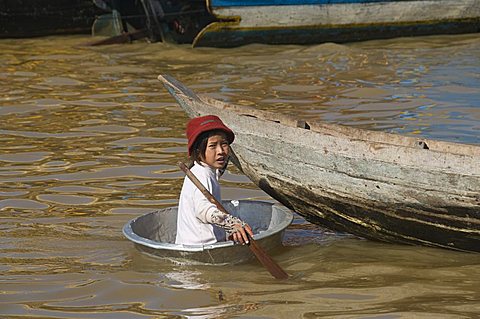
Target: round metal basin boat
column 155, row 233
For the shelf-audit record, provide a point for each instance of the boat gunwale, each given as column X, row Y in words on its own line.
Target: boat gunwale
column 324, row 128
column 343, row 131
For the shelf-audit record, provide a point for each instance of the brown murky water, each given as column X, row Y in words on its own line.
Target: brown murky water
column 89, row 140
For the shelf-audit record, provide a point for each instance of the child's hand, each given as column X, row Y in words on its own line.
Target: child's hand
column 240, row 235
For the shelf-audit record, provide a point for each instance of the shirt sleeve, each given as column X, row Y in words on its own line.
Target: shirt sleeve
column 208, row 213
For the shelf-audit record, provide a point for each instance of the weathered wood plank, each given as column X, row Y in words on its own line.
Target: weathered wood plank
column 376, row 185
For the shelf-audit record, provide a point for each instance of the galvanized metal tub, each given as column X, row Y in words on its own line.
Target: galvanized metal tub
column 155, row 233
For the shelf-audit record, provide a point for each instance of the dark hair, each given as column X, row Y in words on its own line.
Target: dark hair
column 200, row 145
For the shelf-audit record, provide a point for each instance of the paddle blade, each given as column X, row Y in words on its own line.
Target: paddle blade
column 273, row 268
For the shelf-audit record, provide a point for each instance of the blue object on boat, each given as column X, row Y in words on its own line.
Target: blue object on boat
column 250, row 3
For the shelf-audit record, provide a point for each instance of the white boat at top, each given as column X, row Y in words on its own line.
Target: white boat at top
column 229, row 23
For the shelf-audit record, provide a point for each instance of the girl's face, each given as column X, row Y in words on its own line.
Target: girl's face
column 216, row 153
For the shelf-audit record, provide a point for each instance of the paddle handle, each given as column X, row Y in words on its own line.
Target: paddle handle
column 202, row 188
column 262, row 256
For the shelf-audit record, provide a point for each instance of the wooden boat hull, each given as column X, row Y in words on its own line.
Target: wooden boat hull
column 31, row 18
column 230, row 23
column 317, row 21
column 375, row 185
column 154, row 233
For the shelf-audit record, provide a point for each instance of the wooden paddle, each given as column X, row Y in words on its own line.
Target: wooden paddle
column 125, row 37
column 262, row 256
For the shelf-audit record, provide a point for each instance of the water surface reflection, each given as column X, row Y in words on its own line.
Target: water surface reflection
column 90, row 139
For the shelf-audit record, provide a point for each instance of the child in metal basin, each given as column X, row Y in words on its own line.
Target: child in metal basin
column 199, row 221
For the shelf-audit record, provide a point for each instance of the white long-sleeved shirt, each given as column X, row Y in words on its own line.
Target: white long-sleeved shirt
column 195, row 213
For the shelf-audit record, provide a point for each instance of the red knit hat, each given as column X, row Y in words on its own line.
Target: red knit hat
column 199, row 125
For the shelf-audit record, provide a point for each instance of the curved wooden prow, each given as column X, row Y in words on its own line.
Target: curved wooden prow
column 181, row 93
